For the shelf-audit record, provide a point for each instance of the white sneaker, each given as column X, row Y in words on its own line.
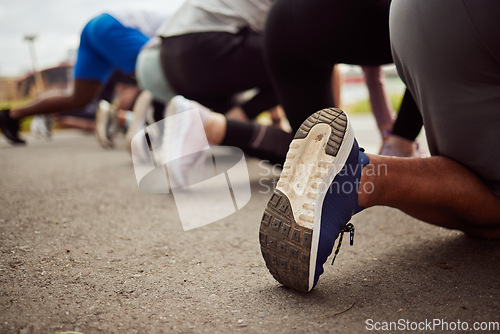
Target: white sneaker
column 185, row 145
column 106, row 126
column 142, row 109
column 41, row 126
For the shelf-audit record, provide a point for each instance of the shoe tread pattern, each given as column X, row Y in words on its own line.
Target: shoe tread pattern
column 286, row 245
column 334, row 117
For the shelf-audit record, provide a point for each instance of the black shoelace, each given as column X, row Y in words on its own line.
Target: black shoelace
column 348, row 228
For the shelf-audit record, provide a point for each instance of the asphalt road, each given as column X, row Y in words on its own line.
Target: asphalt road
column 83, row 249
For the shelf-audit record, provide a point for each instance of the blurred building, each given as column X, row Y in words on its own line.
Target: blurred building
column 57, row 77
column 8, row 88
column 15, row 88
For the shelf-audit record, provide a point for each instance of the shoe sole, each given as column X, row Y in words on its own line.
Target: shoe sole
column 141, row 107
column 103, row 115
column 290, row 227
column 172, row 147
column 40, row 127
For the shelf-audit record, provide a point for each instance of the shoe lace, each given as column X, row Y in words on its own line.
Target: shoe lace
column 348, row 228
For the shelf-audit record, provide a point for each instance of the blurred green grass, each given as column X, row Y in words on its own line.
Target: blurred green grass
column 13, row 104
column 359, row 107
column 363, row 106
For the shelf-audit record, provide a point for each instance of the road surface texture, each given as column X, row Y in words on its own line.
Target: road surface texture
column 83, row 249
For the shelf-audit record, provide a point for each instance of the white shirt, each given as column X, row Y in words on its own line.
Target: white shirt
column 146, row 22
column 230, row 16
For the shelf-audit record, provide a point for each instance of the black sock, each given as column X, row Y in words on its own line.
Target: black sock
column 264, row 142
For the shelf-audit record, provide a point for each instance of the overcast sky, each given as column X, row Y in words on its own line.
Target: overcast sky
column 57, row 23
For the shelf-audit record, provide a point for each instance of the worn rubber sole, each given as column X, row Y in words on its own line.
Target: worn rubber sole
column 104, row 117
column 141, row 107
column 291, row 223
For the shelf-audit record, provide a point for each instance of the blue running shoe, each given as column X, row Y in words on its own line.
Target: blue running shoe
column 316, row 196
